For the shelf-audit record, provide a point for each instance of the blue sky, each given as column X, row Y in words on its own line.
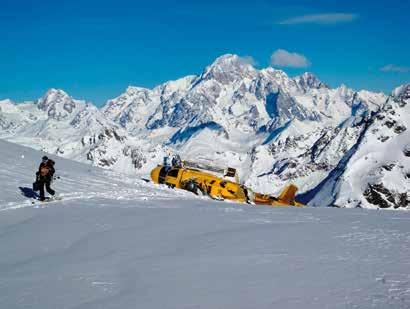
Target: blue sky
column 95, row 49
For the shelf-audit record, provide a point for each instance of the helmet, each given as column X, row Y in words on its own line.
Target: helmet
column 45, row 158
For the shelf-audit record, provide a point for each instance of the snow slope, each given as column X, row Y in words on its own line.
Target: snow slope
column 76, row 181
column 118, row 242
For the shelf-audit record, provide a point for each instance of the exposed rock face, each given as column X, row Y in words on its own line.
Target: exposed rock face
column 399, row 129
column 382, row 197
column 137, row 157
column 309, row 81
column 406, row 151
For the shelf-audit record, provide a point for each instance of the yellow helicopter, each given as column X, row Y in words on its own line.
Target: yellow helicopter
column 196, row 178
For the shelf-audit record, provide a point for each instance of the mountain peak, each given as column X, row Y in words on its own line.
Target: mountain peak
column 309, row 81
column 131, row 90
column 226, row 59
column 57, row 103
column 52, row 96
column 6, row 102
column 233, row 60
column 277, row 74
column 402, row 92
column 7, row 105
column 228, row 68
column 54, row 92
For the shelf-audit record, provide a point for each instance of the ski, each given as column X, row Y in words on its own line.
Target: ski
column 37, row 203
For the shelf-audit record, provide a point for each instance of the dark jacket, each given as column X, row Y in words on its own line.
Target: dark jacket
column 46, row 166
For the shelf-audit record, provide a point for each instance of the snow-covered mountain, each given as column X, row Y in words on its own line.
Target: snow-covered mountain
column 378, row 172
column 59, row 124
column 273, row 128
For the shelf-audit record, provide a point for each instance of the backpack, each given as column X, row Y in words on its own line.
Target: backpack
column 36, row 186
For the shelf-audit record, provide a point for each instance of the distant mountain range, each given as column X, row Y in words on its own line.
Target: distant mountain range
column 341, row 147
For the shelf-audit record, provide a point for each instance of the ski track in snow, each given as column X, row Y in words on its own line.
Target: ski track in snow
column 115, row 241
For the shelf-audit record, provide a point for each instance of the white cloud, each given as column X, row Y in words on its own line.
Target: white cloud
column 322, row 19
column 283, row 58
column 395, row 68
column 248, row 60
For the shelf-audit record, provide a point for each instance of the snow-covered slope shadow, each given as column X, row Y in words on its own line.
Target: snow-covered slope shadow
column 324, row 194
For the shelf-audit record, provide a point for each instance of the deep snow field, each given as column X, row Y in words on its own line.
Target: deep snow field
column 115, row 241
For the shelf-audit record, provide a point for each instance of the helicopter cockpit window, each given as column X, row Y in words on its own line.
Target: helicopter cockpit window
column 173, row 172
column 162, row 174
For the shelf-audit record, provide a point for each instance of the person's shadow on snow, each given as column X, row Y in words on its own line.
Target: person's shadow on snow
column 28, row 192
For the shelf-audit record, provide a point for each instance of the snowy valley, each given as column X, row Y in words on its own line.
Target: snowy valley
column 341, row 147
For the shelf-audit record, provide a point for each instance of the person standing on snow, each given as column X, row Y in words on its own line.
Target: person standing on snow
column 44, row 176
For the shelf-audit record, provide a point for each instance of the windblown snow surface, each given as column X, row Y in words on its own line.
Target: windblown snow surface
column 115, row 241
